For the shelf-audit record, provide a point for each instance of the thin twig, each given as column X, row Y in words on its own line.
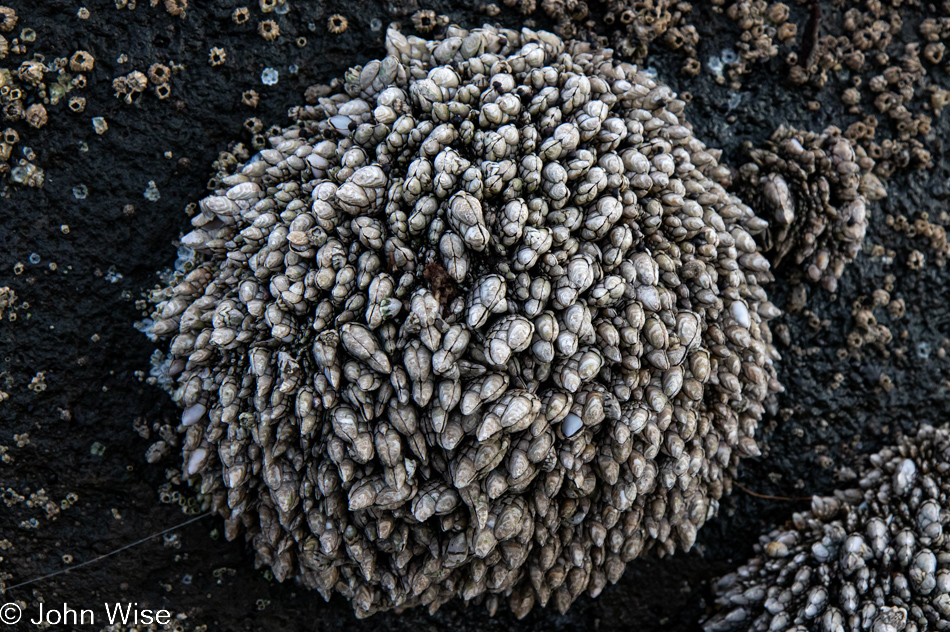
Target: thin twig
column 768, row 497
column 105, row 555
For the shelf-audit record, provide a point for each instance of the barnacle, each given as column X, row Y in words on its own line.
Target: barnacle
column 250, row 98
column 269, row 30
column 815, row 188
column 159, row 74
column 216, row 56
column 869, row 558
column 31, row 72
column 8, row 19
column 129, row 85
column 241, row 15
column 337, row 23
column 176, row 7
column 424, row 20
column 77, row 104
column 484, row 325
column 81, row 61
column 36, row 115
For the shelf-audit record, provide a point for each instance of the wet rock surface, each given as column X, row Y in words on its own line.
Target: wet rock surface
column 73, row 329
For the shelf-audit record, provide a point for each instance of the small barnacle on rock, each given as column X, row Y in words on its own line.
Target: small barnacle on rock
column 269, row 30
column 250, row 98
column 176, row 7
column 159, row 74
column 81, row 61
column 691, row 67
column 8, row 19
column 873, row 557
column 336, row 24
column 129, row 85
column 240, row 15
column 151, row 192
column 31, row 72
column 484, row 324
column 29, row 174
column 270, row 76
column 36, row 115
column 424, row 20
column 254, row 125
column 77, row 104
column 915, row 260
column 216, row 56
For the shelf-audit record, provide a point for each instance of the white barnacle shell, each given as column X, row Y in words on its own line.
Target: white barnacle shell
column 465, row 217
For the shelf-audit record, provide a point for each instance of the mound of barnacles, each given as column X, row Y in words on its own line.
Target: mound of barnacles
column 482, row 325
column 815, row 189
column 870, row 558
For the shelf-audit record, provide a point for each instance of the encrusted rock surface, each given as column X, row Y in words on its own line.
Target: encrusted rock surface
column 873, row 557
column 89, row 431
column 484, row 325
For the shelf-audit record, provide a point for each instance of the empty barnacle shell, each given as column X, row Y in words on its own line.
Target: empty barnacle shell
column 861, row 559
column 434, row 335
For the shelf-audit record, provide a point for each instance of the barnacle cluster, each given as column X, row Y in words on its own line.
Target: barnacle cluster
column 882, row 58
column 29, row 88
column 482, row 325
column 632, row 24
column 814, row 188
column 933, row 230
column 870, row 558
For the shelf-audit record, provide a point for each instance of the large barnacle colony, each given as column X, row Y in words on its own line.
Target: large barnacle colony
column 870, row 558
column 814, row 189
column 484, row 326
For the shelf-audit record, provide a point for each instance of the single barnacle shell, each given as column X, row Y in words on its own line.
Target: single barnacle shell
column 465, row 216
